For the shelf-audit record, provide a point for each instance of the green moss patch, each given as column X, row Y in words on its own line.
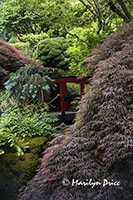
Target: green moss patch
column 17, row 170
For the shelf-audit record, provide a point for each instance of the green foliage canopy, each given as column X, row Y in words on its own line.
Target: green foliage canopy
column 79, row 48
column 23, row 17
column 58, row 17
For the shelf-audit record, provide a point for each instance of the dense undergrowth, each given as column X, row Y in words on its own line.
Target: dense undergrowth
column 18, row 121
column 19, row 169
column 25, row 131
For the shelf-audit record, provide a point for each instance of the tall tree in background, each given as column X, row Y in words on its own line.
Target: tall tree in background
column 100, row 11
column 60, row 16
column 24, row 17
column 123, row 12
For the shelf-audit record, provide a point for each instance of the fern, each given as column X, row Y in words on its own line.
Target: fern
column 8, row 136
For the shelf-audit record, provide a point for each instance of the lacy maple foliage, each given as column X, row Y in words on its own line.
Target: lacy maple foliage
column 11, row 59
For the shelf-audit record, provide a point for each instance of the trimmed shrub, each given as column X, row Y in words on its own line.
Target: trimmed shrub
column 52, row 52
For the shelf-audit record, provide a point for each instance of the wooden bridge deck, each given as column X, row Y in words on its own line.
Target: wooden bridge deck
column 69, row 115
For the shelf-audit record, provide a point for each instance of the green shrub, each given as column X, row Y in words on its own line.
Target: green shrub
column 18, row 121
column 8, row 104
column 31, row 82
column 25, row 48
column 52, row 52
column 18, row 124
column 28, row 43
column 3, row 96
column 7, row 136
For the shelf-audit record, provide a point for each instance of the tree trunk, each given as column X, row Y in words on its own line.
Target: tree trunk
column 126, row 16
column 116, row 10
column 124, row 8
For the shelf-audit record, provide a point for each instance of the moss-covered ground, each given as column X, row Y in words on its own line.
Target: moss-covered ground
column 16, row 170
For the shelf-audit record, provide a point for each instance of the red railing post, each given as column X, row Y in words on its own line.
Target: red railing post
column 63, row 89
column 81, row 88
column 26, row 100
column 63, row 93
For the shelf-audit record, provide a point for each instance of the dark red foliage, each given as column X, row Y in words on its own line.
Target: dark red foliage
column 100, row 143
column 11, row 60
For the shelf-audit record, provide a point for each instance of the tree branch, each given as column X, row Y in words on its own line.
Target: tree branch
column 116, row 10
column 88, row 7
column 74, row 35
column 124, row 8
column 94, row 7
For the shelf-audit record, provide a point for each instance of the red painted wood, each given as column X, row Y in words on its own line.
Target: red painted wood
column 81, row 89
column 74, row 79
column 26, row 100
column 82, row 80
column 63, row 93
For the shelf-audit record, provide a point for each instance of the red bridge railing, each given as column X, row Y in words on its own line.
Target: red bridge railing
column 82, row 80
column 62, row 81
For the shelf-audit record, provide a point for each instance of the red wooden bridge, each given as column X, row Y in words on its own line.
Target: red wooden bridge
column 82, row 80
column 62, row 81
